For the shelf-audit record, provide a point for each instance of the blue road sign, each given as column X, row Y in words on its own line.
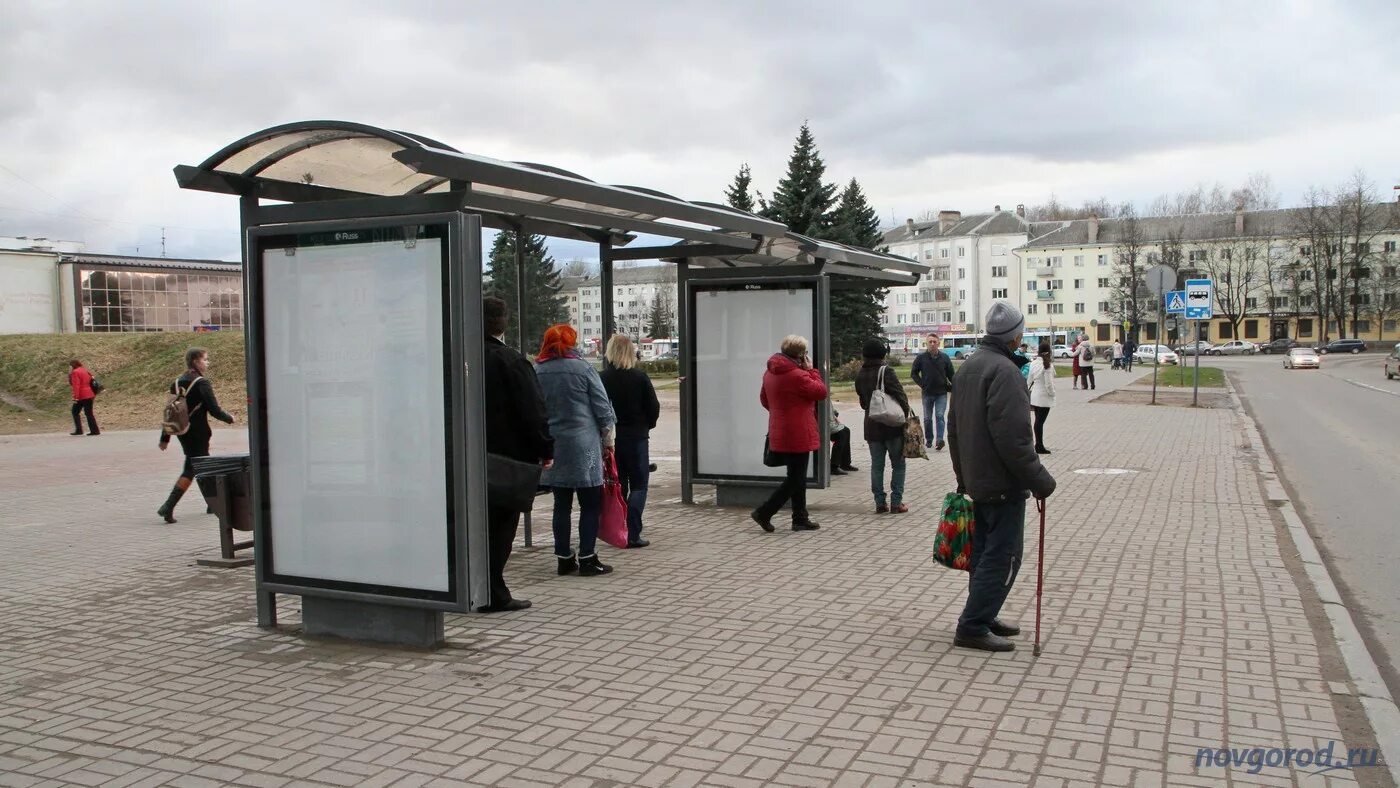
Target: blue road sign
column 1200, row 299
column 1176, row 302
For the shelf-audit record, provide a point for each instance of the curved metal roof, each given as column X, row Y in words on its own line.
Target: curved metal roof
column 327, row 159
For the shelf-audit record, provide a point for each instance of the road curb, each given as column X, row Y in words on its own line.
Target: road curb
column 1376, row 701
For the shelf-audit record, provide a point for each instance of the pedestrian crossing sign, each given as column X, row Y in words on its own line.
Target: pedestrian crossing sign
column 1176, row 302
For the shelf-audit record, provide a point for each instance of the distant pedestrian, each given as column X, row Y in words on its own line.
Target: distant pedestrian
column 636, row 407
column 933, row 373
column 581, row 422
column 840, row 446
column 1129, row 348
column 995, row 463
column 198, row 393
column 80, row 380
column 1086, row 363
column 517, row 427
column 1041, row 385
column 1074, row 363
column 1118, row 354
column 791, row 386
column 883, row 439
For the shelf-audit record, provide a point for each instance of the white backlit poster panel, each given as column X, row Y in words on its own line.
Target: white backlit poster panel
column 736, row 331
column 356, row 437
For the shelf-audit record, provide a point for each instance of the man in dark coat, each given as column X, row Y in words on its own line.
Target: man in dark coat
column 933, row 374
column 516, row 427
column 994, row 459
column 883, row 439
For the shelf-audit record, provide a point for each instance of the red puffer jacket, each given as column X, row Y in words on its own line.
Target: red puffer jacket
column 81, row 382
column 788, row 394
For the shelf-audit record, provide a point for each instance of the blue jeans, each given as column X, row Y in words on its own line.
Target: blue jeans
column 633, row 461
column 590, row 504
column 935, row 406
column 894, row 447
column 997, row 538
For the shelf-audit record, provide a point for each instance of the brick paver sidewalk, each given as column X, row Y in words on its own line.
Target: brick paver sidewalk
column 719, row 656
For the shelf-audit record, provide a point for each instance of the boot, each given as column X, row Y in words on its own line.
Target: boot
column 801, row 521
column 167, row 509
column 765, row 521
column 569, row 565
column 589, row 566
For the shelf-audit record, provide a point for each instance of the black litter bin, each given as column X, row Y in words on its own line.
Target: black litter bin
column 227, row 486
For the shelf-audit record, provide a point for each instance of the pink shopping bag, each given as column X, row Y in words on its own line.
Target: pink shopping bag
column 613, row 528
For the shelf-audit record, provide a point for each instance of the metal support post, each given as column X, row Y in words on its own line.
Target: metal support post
column 520, row 311
column 605, row 283
column 1196, row 382
column 266, row 600
column 685, row 362
column 1157, row 349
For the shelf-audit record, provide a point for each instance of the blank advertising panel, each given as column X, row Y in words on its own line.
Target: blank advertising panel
column 359, row 484
column 737, row 329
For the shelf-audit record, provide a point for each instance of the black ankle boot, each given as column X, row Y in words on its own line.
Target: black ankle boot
column 567, row 566
column 167, row 509
column 801, row 521
column 590, row 566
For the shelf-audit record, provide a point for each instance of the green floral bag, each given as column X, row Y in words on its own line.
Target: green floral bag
column 952, row 546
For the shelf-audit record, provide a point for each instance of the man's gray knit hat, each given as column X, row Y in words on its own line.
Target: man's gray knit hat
column 1004, row 322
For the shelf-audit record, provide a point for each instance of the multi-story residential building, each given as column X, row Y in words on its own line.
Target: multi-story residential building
column 972, row 264
column 1263, row 264
column 636, row 292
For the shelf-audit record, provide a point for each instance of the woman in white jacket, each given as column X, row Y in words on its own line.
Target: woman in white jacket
column 1041, row 383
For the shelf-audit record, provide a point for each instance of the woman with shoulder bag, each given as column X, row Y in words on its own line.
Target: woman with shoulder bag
column 883, row 439
column 637, row 409
column 1041, row 383
column 791, row 389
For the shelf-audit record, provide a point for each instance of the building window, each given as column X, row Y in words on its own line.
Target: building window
column 1306, row 301
column 1227, row 331
column 962, row 317
column 998, row 250
column 1251, row 329
column 962, row 273
column 928, row 254
column 1031, row 286
column 962, row 295
column 1032, row 262
column 962, row 251
column 1103, row 259
column 124, row 300
column 941, row 294
column 1103, row 307
column 1053, row 262
column 1278, row 302
column 1251, row 303
column 1055, row 309
column 1151, row 331
column 1079, row 260
column 1305, row 251
column 1305, row 328
column 903, row 299
column 999, row 292
column 1032, row 309
column 1104, row 335
column 901, row 319
column 947, row 317
column 998, row 270
column 1197, row 256
column 942, row 273
column 1103, row 281
column 1389, row 246
column 1388, row 325
column 1055, row 284
column 1078, row 284
column 943, row 253
column 1079, row 309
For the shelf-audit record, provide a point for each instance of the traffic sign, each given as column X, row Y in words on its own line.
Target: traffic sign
column 1200, row 299
column 1159, row 279
column 1176, row 302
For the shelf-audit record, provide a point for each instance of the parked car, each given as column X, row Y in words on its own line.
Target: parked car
column 1281, row 345
column 1238, row 347
column 1147, row 354
column 1302, row 358
column 1392, row 364
column 1346, row 346
column 1191, row 348
column 669, row 355
column 1060, row 351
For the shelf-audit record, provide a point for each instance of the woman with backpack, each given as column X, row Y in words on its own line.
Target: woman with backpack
column 581, row 419
column 1086, row 363
column 883, row 439
column 187, row 415
column 1041, row 385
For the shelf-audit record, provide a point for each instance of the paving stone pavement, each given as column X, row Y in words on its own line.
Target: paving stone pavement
column 719, row 656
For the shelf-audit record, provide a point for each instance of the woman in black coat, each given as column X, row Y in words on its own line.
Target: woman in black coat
column 637, row 409
column 883, row 439
column 200, row 400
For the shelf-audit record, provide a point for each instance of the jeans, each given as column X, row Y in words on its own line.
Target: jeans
column 1086, row 375
column 501, row 525
column 935, row 408
column 997, row 541
column 1127, row 362
column 84, row 406
column 841, row 448
column 793, row 488
column 633, row 462
column 894, row 447
column 590, row 504
column 1041, row 414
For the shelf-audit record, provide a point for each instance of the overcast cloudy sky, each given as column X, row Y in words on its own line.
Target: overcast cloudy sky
column 929, row 104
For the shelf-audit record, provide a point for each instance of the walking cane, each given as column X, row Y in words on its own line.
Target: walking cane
column 1039, row 572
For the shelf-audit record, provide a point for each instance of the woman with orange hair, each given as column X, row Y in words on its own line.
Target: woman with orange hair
column 581, row 420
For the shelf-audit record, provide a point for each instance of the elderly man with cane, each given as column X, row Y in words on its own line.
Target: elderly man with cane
column 994, row 459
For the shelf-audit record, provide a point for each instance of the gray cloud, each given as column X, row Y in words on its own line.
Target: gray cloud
column 102, row 99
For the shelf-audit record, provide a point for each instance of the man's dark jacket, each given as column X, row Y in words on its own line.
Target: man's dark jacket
column 989, row 431
column 933, row 372
column 516, row 423
column 866, row 385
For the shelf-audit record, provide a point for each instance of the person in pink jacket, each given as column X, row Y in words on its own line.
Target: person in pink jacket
column 80, row 380
column 791, row 389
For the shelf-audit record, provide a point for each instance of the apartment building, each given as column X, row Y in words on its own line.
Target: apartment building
column 636, row 292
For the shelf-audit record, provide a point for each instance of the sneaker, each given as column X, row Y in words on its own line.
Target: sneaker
column 590, row 566
column 567, row 564
column 939, row 446
column 899, row 508
column 987, row 642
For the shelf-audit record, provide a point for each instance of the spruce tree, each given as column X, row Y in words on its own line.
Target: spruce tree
column 855, row 314
column 737, row 195
column 802, row 200
column 544, row 305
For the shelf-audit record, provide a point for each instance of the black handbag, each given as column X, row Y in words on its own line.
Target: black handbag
column 511, row 484
column 769, row 458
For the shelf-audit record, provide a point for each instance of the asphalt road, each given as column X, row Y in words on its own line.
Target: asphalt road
column 1335, row 436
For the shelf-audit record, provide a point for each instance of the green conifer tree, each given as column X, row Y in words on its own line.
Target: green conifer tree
column 855, row 314
column 544, row 305
column 802, row 200
column 737, row 195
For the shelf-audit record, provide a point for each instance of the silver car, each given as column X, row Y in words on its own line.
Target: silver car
column 1238, row 347
column 1192, row 348
column 1147, row 354
column 1302, row 358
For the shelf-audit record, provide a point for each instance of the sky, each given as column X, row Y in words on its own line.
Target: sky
column 930, row 105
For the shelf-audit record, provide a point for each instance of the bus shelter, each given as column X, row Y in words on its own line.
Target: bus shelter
column 362, row 255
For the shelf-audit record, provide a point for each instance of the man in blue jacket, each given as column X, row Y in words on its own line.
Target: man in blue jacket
column 933, row 374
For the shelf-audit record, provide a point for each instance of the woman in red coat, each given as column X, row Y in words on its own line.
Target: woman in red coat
column 80, row 380
column 791, row 388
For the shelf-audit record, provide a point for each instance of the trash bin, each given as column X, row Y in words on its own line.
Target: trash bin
column 226, row 482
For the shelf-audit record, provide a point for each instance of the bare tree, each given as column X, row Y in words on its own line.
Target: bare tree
column 1385, row 288
column 1236, row 268
column 1363, row 218
column 1255, row 194
column 579, row 268
column 1172, row 256
column 1052, row 210
column 1129, row 270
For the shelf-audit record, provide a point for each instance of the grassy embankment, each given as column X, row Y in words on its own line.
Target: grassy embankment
column 137, row 370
